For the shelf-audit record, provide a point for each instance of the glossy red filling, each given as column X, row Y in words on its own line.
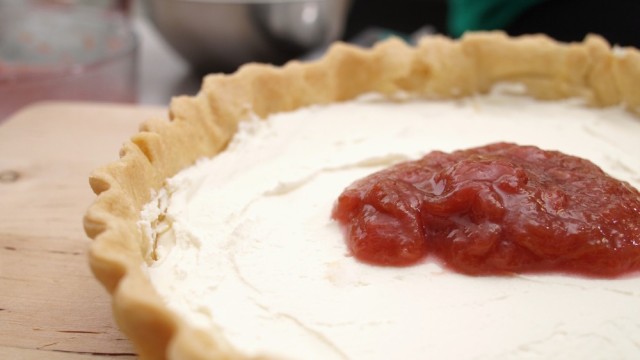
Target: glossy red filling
column 496, row 209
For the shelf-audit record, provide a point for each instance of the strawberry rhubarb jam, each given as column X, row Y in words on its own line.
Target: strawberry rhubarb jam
column 496, row 209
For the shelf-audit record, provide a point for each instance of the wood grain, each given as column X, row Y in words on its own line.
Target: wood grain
column 50, row 305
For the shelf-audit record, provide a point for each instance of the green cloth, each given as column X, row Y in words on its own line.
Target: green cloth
column 484, row 14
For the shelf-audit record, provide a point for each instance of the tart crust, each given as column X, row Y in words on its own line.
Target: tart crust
column 202, row 125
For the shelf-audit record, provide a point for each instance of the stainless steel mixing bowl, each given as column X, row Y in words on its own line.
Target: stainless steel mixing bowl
column 215, row 35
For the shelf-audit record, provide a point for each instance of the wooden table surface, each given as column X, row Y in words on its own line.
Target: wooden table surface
column 51, row 307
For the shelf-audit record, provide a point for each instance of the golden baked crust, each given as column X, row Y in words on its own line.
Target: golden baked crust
column 202, row 125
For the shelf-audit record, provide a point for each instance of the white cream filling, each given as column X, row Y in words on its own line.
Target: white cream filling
column 247, row 244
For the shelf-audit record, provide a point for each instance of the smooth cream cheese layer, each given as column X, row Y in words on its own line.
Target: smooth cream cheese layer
column 244, row 244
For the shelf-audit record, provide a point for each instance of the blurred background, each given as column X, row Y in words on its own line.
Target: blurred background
column 146, row 51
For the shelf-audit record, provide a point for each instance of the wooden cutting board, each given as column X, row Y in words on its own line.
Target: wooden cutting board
column 51, row 307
